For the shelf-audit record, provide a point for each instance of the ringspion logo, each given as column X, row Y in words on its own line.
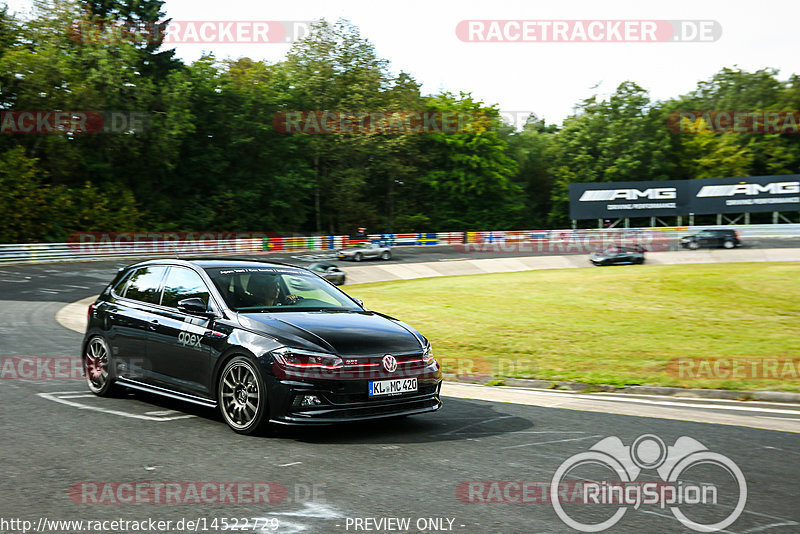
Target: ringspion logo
column 678, row 488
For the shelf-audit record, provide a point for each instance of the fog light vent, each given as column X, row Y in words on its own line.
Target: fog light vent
column 307, row 400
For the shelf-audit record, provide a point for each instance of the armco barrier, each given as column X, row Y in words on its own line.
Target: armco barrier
column 143, row 245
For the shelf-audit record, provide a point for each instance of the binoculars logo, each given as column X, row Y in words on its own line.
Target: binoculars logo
column 627, row 462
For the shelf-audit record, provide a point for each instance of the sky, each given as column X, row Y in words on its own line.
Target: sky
column 544, row 78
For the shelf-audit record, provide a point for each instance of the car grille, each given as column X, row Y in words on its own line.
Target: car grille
column 372, row 367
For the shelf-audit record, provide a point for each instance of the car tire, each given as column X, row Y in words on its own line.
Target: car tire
column 242, row 396
column 357, row 256
column 728, row 244
column 694, row 245
column 640, row 261
column 97, row 367
column 386, row 255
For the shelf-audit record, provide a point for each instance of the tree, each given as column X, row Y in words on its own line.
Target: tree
column 623, row 138
column 535, row 150
column 470, row 174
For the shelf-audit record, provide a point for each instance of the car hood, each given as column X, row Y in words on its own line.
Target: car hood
column 347, row 333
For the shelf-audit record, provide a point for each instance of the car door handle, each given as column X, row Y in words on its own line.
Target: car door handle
column 154, row 324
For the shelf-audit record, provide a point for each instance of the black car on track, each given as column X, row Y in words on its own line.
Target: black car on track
column 711, row 239
column 618, row 256
column 263, row 342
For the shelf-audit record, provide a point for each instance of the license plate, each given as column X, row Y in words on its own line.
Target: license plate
column 392, row 387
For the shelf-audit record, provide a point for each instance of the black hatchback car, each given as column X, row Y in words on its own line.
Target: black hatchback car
column 263, row 342
column 618, row 256
column 711, row 239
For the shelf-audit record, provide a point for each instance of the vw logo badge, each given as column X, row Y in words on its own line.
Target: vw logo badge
column 389, row 363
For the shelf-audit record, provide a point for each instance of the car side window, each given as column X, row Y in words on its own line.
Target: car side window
column 145, row 284
column 183, row 283
column 119, row 289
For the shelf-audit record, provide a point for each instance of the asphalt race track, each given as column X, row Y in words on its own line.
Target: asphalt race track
column 59, row 443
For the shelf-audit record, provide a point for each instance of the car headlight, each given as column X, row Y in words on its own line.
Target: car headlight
column 427, row 356
column 298, row 359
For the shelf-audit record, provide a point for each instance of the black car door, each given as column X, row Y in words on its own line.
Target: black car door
column 619, row 256
column 130, row 318
column 705, row 239
column 179, row 343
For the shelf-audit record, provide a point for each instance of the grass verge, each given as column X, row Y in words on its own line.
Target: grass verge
column 612, row 325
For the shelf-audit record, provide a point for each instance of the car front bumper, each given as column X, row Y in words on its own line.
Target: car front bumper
column 348, row 400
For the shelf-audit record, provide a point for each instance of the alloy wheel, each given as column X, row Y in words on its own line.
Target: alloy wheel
column 96, row 365
column 240, row 395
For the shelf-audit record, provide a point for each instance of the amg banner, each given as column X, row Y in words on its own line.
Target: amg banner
column 607, row 200
column 602, row 200
column 750, row 194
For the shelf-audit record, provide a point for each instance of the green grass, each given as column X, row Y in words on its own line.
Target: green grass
column 611, row 325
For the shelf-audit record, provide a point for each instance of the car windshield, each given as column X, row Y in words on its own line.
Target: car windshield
column 275, row 289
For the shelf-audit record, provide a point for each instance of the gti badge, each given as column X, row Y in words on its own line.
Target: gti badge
column 390, row 363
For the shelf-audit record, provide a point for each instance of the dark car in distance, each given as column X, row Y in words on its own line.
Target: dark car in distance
column 263, row 342
column 711, row 239
column 329, row 272
column 622, row 255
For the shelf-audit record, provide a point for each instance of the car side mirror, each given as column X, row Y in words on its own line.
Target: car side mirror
column 194, row 306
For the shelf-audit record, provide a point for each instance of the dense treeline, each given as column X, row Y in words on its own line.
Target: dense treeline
column 210, row 158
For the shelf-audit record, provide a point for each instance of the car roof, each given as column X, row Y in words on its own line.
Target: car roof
column 210, row 263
